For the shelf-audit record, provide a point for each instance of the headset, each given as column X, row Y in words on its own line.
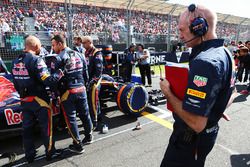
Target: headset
column 198, row 25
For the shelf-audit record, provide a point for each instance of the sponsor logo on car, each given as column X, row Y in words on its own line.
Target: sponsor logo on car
column 13, row 118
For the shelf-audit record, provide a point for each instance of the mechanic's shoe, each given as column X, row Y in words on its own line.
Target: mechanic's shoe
column 244, row 92
column 30, row 159
column 76, row 148
column 54, row 154
column 88, row 140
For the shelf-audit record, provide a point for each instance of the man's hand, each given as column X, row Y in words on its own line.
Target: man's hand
column 165, row 86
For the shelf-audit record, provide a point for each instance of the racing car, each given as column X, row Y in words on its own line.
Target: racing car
column 130, row 99
column 11, row 110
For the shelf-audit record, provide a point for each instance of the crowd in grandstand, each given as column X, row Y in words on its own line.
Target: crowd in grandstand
column 96, row 20
column 13, row 17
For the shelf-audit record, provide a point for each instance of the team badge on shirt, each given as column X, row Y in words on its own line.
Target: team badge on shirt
column 200, row 81
column 196, row 93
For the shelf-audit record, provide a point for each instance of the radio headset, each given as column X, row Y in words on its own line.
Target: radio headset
column 198, row 26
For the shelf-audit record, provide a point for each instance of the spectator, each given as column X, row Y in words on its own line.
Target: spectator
column 143, row 57
column 243, row 51
column 245, row 58
column 236, row 59
column 37, row 25
column 247, row 43
column 78, row 45
column 4, row 27
column 100, row 21
column 232, row 47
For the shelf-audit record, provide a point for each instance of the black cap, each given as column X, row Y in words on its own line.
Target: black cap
column 192, row 7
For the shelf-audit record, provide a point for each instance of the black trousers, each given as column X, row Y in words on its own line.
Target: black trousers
column 34, row 109
column 240, row 73
column 246, row 76
column 72, row 104
column 128, row 73
column 145, row 71
column 181, row 153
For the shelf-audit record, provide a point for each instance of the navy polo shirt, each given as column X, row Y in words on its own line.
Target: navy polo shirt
column 210, row 80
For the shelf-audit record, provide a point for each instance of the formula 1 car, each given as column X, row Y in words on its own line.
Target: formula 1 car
column 10, row 109
column 130, row 99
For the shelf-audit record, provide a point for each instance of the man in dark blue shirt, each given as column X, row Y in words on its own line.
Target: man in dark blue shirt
column 129, row 62
column 208, row 93
column 73, row 92
column 94, row 59
column 30, row 77
column 78, row 45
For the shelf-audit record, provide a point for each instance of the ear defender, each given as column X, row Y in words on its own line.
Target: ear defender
column 198, row 25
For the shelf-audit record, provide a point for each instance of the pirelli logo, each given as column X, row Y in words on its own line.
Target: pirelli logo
column 196, row 93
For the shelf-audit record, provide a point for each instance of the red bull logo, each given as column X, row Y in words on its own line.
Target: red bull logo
column 19, row 65
column 20, row 69
column 13, row 118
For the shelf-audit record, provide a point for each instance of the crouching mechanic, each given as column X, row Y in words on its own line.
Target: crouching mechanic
column 30, row 77
column 95, row 67
column 73, row 92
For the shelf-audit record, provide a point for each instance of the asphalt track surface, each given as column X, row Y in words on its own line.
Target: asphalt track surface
column 123, row 146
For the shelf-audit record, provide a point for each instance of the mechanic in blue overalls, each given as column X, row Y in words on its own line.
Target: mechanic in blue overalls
column 30, row 77
column 73, row 92
column 95, row 68
column 209, row 91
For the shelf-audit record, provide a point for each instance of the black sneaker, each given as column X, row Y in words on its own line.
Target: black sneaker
column 30, row 159
column 77, row 148
column 54, row 154
column 88, row 140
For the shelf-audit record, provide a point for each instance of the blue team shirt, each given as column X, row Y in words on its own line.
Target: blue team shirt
column 210, row 80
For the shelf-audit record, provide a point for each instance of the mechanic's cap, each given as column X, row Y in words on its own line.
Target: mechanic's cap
column 243, row 47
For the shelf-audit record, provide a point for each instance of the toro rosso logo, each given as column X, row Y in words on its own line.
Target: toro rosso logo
column 13, row 118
